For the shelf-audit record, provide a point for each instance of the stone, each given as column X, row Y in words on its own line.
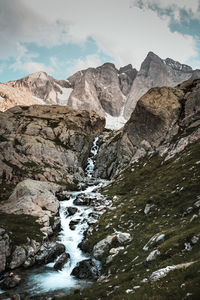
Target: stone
column 100, row 248
column 11, row 281
column 46, row 143
column 153, row 255
column 35, row 198
column 86, row 269
column 123, row 237
column 73, row 223
column 18, row 257
column 49, row 252
column 147, row 208
column 70, row 211
column 82, row 199
column 63, row 259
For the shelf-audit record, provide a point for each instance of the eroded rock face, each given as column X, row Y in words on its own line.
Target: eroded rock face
column 156, row 72
column 46, row 143
column 160, row 114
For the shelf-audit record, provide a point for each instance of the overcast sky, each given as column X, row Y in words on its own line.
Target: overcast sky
column 64, row 36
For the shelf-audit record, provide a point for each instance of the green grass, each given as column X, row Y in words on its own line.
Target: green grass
column 171, row 187
column 19, row 227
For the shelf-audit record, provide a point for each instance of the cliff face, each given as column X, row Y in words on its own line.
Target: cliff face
column 160, row 115
column 49, row 143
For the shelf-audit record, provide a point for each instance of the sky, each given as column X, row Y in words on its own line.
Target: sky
column 62, row 37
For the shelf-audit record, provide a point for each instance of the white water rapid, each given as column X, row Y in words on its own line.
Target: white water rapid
column 46, row 279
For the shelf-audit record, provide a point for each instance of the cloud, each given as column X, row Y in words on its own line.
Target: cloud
column 121, row 29
column 90, row 61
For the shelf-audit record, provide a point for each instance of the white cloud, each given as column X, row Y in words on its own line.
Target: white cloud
column 122, row 31
column 192, row 7
column 90, row 61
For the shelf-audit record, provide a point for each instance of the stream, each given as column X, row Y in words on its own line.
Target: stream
column 45, row 279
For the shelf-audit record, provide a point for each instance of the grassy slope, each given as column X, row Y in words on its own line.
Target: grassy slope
column 172, row 187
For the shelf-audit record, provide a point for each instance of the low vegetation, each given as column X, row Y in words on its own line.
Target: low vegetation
column 171, row 190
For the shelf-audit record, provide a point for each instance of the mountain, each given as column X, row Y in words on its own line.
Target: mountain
column 44, row 87
column 106, row 90
column 12, row 96
column 156, row 72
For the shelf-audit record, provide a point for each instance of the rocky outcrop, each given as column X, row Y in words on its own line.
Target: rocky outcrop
column 160, row 115
column 12, row 96
column 156, row 72
column 48, row 143
column 44, row 87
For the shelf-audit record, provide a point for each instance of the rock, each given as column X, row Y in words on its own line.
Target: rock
column 194, row 239
column 4, row 248
column 11, row 281
column 73, row 223
column 86, row 269
column 101, row 247
column 35, row 198
column 62, row 196
column 123, row 237
column 158, row 117
column 153, row 255
column 46, row 143
column 197, row 204
column 49, row 252
column 18, row 257
column 147, row 208
column 61, row 261
column 70, row 211
column 104, row 245
column 83, row 199
column 155, row 72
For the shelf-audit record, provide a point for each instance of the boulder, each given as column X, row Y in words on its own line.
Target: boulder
column 61, row 261
column 71, row 210
column 35, row 198
column 82, row 199
column 86, row 269
column 11, row 281
column 18, row 257
column 49, row 252
column 73, row 223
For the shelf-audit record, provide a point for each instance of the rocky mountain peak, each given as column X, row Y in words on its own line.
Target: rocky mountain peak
column 177, row 65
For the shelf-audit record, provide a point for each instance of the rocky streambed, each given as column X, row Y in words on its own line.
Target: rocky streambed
column 63, row 266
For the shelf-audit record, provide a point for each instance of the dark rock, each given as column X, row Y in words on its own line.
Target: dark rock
column 62, row 261
column 49, row 252
column 70, row 211
column 73, row 223
column 62, row 196
column 86, row 269
column 82, row 199
column 11, row 281
column 84, row 246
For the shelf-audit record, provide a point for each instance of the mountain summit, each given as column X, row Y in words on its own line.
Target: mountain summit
column 110, row 92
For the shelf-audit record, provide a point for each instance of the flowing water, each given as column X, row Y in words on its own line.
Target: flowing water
column 46, row 279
